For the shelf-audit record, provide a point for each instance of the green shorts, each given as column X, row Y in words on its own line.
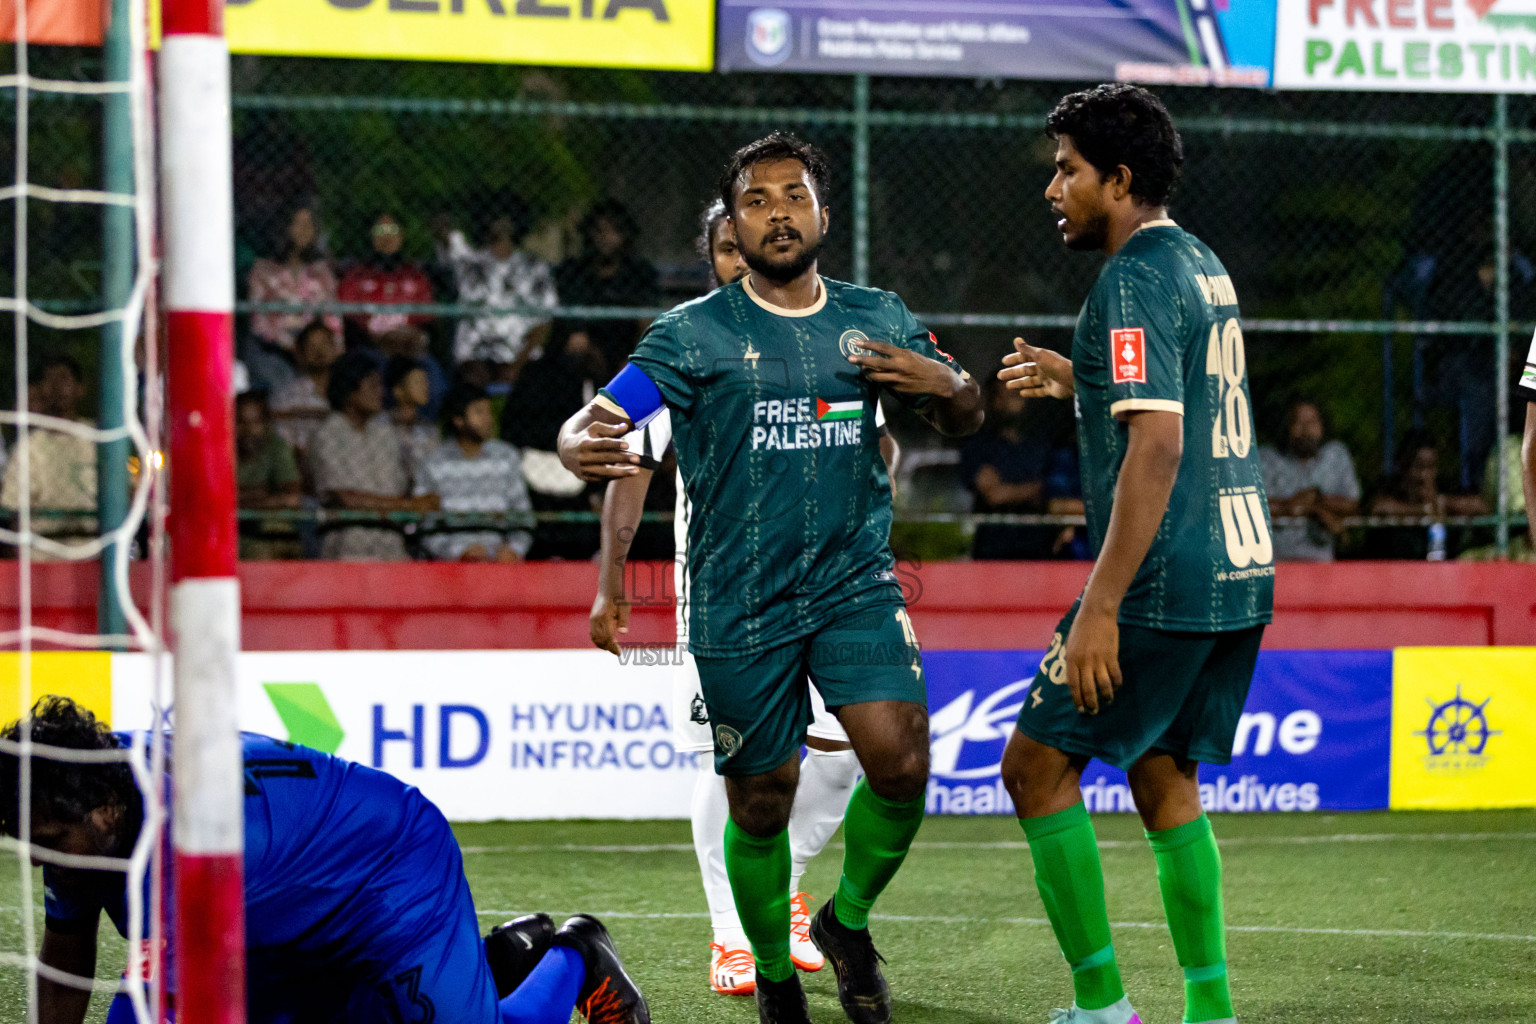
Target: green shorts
column 759, row 704
column 1181, row 693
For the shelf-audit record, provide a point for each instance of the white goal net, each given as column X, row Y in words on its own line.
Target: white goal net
column 54, row 538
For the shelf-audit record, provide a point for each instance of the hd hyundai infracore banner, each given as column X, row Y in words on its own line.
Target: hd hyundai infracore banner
column 1220, row 42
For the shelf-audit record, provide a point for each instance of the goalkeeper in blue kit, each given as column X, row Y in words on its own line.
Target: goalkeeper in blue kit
column 356, row 906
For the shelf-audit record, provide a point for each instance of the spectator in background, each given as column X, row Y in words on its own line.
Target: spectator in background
column 1005, row 465
column 384, row 277
column 1414, row 490
column 471, row 471
column 301, row 407
column 356, row 464
column 562, row 378
column 268, row 478
column 500, row 274
column 1064, row 497
column 607, row 273
column 408, row 391
column 61, row 465
column 1309, row 477
column 301, row 275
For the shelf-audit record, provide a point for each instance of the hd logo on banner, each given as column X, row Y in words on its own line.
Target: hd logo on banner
column 1314, row 735
column 675, row 35
column 1464, row 727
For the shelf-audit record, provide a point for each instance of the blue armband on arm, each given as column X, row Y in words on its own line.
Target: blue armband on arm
column 634, row 393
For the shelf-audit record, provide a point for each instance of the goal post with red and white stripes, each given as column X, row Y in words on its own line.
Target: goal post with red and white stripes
column 197, row 217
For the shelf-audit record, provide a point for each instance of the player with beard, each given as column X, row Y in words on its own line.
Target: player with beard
column 771, row 383
column 1150, row 668
column 829, row 770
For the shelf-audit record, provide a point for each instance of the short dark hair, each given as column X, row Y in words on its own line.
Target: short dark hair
column 400, row 367
column 69, row 363
column 257, row 397
column 713, row 214
column 614, row 212
column 770, row 149
column 1119, row 124
column 458, row 400
column 62, row 791
column 347, row 375
column 1293, row 406
column 317, row 324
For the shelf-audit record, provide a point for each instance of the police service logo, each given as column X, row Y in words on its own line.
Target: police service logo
column 727, row 741
column 698, row 713
column 768, row 36
column 1457, row 735
column 846, row 343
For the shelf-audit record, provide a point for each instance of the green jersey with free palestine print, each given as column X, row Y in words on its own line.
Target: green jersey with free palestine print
column 775, row 437
column 1160, row 332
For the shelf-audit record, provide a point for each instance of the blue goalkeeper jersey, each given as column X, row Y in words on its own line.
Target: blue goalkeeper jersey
column 347, row 870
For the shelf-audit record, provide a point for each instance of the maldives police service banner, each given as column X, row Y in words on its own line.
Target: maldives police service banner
column 1315, row 735
column 674, row 35
column 1407, row 45
column 1220, row 42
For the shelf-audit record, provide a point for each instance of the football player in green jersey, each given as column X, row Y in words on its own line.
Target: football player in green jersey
column 1150, row 668
column 771, row 384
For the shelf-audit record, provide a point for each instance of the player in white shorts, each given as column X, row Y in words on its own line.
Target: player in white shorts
column 829, row 771
column 1527, row 386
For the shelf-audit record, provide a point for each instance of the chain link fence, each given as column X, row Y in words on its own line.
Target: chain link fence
column 1377, row 243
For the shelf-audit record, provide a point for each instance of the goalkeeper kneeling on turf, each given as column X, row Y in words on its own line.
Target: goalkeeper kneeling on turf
column 356, row 906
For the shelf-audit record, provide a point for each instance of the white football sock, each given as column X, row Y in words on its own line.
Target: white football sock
column 827, row 778
column 710, row 813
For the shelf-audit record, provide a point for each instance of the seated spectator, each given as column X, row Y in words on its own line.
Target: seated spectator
column 499, row 274
column 1308, row 476
column 62, row 466
column 471, row 471
column 607, row 273
column 1005, row 467
column 412, row 343
column 1414, row 490
column 405, row 385
column 301, row 407
column 300, row 274
column 562, row 378
column 355, row 461
column 268, row 478
column 1064, row 497
column 383, row 277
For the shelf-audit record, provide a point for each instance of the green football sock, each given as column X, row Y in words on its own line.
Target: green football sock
column 1189, row 873
column 1071, row 884
column 876, row 835
column 759, row 874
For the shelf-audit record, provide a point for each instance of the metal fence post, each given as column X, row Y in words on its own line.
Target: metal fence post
column 117, row 237
column 1501, row 312
column 861, row 179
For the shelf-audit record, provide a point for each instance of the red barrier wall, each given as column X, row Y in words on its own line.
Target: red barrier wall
column 958, row 605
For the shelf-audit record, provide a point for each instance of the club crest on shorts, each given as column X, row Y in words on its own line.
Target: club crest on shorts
column 849, row 339
column 1128, row 355
column 727, row 741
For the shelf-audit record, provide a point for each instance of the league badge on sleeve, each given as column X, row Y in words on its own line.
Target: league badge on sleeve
column 1128, row 355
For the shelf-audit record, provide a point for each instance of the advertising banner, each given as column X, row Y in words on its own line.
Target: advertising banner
column 1407, row 45
column 1464, row 727
column 1184, row 41
column 56, row 22
column 1314, row 735
column 484, row 734
column 84, row 676
column 664, row 34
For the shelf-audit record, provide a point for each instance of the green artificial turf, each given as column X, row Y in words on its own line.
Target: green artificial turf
column 1335, row 919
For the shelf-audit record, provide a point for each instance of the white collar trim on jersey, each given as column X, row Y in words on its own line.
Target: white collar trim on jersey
column 811, row 310
column 1163, row 222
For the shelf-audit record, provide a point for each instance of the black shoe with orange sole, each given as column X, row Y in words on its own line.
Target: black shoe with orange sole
column 607, row 995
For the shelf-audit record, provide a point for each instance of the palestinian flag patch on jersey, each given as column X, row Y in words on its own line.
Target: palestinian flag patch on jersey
column 827, row 411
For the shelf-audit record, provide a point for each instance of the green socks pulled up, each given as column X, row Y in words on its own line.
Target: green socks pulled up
column 877, row 833
column 1071, row 884
column 1189, row 874
column 759, row 874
